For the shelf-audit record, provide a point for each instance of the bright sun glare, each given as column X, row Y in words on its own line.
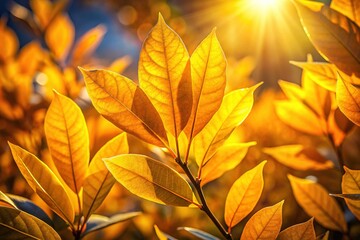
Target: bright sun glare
column 263, row 5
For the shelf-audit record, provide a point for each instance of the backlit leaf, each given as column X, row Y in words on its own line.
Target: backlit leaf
column 68, row 140
column 150, row 179
column 225, row 158
column 323, row 74
column 301, row 231
column 298, row 116
column 163, row 59
column 99, row 181
column 59, row 36
column 98, row 222
column 234, row 109
column 130, row 110
column 291, row 90
column 8, row 41
column 161, row 235
column 335, row 36
column 6, row 201
column 87, row 44
column 339, row 126
column 299, row 157
column 265, row 224
column 208, row 73
column 351, row 185
column 198, row 233
column 316, row 202
column 350, row 8
column 244, row 195
column 16, row 224
column 348, row 97
column 44, row 182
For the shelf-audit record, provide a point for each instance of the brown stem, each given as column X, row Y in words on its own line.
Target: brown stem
column 204, row 207
column 339, row 154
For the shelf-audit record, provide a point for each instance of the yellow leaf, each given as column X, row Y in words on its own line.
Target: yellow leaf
column 348, row 97
column 6, row 201
column 68, row 140
column 16, row 224
column 350, row 8
column 123, row 108
column 44, row 182
column 265, row 224
column 163, row 59
column 298, row 116
column 8, row 42
column 291, row 90
column 87, row 44
column 335, row 36
column 244, row 195
column 339, row 126
column 234, row 109
column 208, row 73
column 59, row 36
column 150, row 179
column 225, row 158
column 299, row 157
column 120, row 64
column 316, row 202
column 30, row 57
column 159, row 233
column 301, row 231
column 351, row 185
column 99, row 181
column 323, row 74
column 45, row 10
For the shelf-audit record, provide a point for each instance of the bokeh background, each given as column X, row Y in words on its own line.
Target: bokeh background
column 258, row 42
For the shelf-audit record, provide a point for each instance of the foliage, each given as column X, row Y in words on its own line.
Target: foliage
column 181, row 110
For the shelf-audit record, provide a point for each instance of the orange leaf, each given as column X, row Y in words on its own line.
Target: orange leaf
column 225, row 158
column 301, row 231
column 8, row 41
column 208, row 73
column 299, row 157
column 244, row 195
column 87, row 44
column 335, row 36
column 44, row 182
column 99, row 181
column 350, row 8
column 163, row 59
column 315, row 200
column 351, row 185
column 234, row 109
column 348, row 97
column 68, row 140
column 125, row 109
column 59, row 36
column 265, row 224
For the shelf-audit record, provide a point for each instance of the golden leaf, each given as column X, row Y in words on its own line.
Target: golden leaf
column 316, row 202
column 163, row 59
column 351, row 185
column 234, row 109
column 225, row 158
column 8, row 42
column 30, row 57
column 150, row 179
column 44, row 182
column 335, row 36
column 208, row 73
column 59, row 36
column 87, row 44
column 339, row 126
column 46, row 10
column 99, row 181
column 265, row 224
column 301, row 231
column 159, row 233
column 299, row 157
column 291, row 90
column 6, row 201
column 16, row 224
column 323, row 74
column 123, row 108
column 68, row 140
column 350, row 8
column 348, row 97
column 244, row 195
column 298, row 116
